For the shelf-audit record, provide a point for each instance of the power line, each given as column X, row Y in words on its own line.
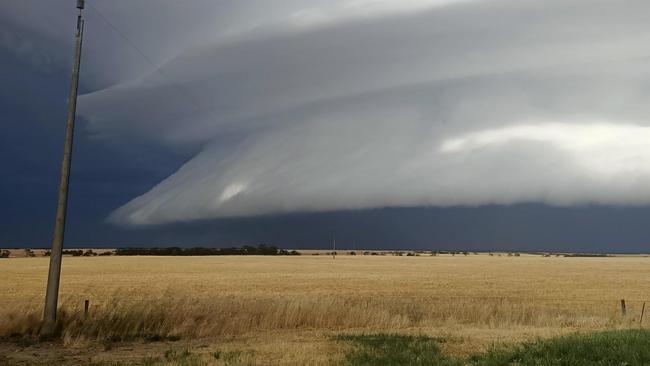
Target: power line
column 182, row 91
column 122, row 35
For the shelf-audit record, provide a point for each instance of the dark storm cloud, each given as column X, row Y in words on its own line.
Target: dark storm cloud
column 330, row 105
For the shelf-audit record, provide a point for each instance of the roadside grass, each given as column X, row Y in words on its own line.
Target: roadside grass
column 612, row 348
column 393, row 349
column 620, row 347
column 183, row 357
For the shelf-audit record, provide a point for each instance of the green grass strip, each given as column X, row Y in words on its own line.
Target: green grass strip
column 611, row 348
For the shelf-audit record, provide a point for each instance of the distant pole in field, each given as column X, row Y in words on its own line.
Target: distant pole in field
column 54, row 275
column 623, row 310
column 334, row 248
column 86, row 306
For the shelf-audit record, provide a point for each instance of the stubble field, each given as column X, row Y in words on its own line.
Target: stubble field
column 289, row 310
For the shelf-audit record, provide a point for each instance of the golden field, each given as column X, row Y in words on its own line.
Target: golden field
column 285, row 309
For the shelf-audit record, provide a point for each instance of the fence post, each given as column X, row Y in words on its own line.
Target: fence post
column 86, row 306
column 623, row 307
column 642, row 311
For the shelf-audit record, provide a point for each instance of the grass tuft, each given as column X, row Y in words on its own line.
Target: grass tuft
column 392, row 349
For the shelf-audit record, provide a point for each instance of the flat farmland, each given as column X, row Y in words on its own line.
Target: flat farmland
column 289, row 309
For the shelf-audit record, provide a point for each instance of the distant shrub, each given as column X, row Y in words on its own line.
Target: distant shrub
column 5, row 253
column 89, row 253
column 74, row 252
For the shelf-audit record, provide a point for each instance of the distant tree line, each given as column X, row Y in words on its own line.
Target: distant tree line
column 175, row 251
column 76, row 253
column 578, row 255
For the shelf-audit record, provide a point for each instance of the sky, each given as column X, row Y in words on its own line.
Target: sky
column 428, row 124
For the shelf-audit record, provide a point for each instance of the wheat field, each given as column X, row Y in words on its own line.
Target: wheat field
column 285, row 310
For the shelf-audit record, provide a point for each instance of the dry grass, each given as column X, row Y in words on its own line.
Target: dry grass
column 477, row 299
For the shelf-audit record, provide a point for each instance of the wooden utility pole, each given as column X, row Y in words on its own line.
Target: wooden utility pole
column 54, row 275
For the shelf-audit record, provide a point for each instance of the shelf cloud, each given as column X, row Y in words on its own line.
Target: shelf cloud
column 299, row 106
